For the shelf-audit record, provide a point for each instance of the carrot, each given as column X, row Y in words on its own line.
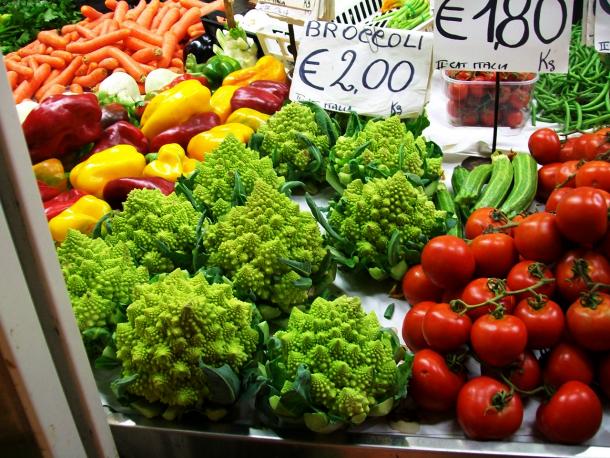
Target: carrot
column 35, row 47
column 67, row 73
column 82, row 70
column 88, row 46
column 21, row 69
column 92, row 66
column 53, row 74
column 147, row 68
column 13, row 56
column 40, row 76
column 107, row 27
column 73, row 36
column 143, row 33
column 175, row 62
column 68, row 28
column 110, row 4
column 169, row 44
column 119, row 12
column 135, row 44
column 23, row 91
column 84, row 32
column 135, row 12
column 216, row 5
column 169, row 20
column 175, row 69
column 76, row 88
column 109, row 63
column 65, row 55
column 189, row 18
column 145, row 19
column 51, row 38
column 31, row 62
column 192, row 3
column 53, row 89
column 131, row 66
column 13, row 77
column 161, row 12
column 97, row 55
column 147, row 54
column 178, row 53
column 55, row 62
column 89, row 12
column 98, row 21
column 195, row 30
column 93, row 78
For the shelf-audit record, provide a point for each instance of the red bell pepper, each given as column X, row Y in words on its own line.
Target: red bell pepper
column 275, row 87
column 183, row 133
column 112, row 113
column 59, row 203
column 256, row 98
column 47, row 192
column 186, row 76
column 121, row 133
column 116, row 191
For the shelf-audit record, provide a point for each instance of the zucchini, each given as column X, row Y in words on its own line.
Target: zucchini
column 472, row 187
column 458, row 178
column 444, row 201
column 524, row 189
column 499, row 183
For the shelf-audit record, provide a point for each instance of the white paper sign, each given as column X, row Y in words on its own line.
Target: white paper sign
column 503, row 35
column 291, row 10
column 372, row 71
column 602, row 26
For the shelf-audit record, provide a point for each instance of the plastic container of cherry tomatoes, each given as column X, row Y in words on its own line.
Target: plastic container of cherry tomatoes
column 471, row 98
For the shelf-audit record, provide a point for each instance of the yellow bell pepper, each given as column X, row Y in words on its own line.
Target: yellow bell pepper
column 205, row 142
column 221, row 101
column 175, row 106
column 189, row 165
column 51, row 172
column 249, row 117
column 82, row 216
column 267, row 68
column 119, row 161
column 171, row 163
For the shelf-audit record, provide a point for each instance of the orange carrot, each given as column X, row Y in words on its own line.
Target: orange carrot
column 169, row 20
column 53, row 89
column 178, row 53
column 88, row 46
column 106, row 27
column 82, row 70
column 31, row 62
column 192, row 3
column 119, row 12
column 55, row 62
column 175, row 69
column 143, row 33
column 169, row 44
column 13, row 56
column 51, row 38
column 84, row 32
column 175, row 62
column 111, row 4
column 23, row 91
column 93, row 78
column 147, row 54
column 135, row 12
column 67, row 73
column 68, row 28
column 145, row 19
column 53, row 74
column 147, row 68
column 92, row 66
column 189, row 18
column 216, row 5
column 109, row 63
column 35, row 47
column 76, row 88
column 131, row 66
column 89, row 12
column 73, row 36
column 65, row 55
column 98, row 21
column 97, row 55
column 40, row 76
column 161, row 12
column 13, row 77
column 21, row 69
column 135, row 44
column 195, row 30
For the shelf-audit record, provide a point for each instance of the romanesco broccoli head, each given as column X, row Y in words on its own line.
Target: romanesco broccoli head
column 216, row 176
column 174, row 325
column 153, row 225
column 349, row 356
column 285, row 136
column 252, row 242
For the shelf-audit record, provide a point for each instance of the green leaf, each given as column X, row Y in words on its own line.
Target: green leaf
column 433, row 150
column 317, row 214
column 389, row 311
column 222, row 382
column 103, row 226
column 354, row 125
column 108, row 359
column 417, row 125
column 315, row 164
column 268, row 312
column 298, row 399
column 256, row 141
column 303, row 283
column 377, row 273
column 119, row 387
column 382, row 409
column 146, row 409
column 403, row 376
column 288, row 186
column 319, row 422
column 394, row 248
column 239, row 192
column 340, row 258
column 414, row 179
column 301, row 267
column 333, row 180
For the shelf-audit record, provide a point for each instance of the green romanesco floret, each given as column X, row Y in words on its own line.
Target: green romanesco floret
column 367, row 215
column 349, row 356
column 216, row 176
column 381, row 149
column 174, row 325
column 153, row 225
column 100, row 278
column 251, row 242
column 281, row 140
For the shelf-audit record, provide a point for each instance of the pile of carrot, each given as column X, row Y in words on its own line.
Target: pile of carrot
column 134, row 40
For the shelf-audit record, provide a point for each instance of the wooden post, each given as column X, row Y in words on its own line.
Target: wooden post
column 229, row 13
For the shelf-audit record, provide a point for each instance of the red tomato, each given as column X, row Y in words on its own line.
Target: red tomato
column 479, row 291
column 519, row 99
column 588, row 320
column 603, row 370
column 457, row 91
column 514, row 119
column 478, row 90
column 585, row 146
column 525, row 274
column 444, row 329
column 487, row 118
column 498, row 341
column 603, row 246
column 452, row 294
column 567, row 150
column 573, row 415
column 544, row 322
column 527, row 375
column 433, row 385
column 469, row 118
column 555, row 197
column 547, row 179
column 567, row 362
column 566, row 174
column 494, row 254
column 453, row 108
column 544, row 146
column 582, row 215
column 411, row 326
column 417, row 288
column 588, row 263
column 538, row 238
column 448, row 261
column 486, row 410
column 483, row 218
column 595, row 174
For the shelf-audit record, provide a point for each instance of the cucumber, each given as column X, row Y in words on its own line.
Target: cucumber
column 524, row 189
column 444, row 201
column 499, row 183
column 458, row 178
column 472, row 187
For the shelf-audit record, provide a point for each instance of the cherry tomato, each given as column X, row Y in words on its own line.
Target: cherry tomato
column 603, row 371
column 589, row 262
column 478, row 90
column 595, row 174
column 566, row 174
column 457, row 91
column 444, row 329
column 519, row 99
column 469, row 118
column 487, row 118
column 585, row 146
column 514, row 119
column 547, row 179
column 494, row 254
column 582, row 215
column 544, row 321
column 483, row 218
column 417, row 288
column 588, row 320
column 538, row 238
column 448, row 261
column 433, row 385
column 554, row 198
column 567, row 150
column 479, row 291
column 527, row 374
column 498, row 341
column 486, row 410
column 412, row 326
column 453, row 109
column 544, row 145
column 525, row 274
column 567, row 362
column 573, row 415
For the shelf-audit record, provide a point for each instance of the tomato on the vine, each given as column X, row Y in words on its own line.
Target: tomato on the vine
column 444, row 329
column 588, row 320
column 416, row 287
column 547, row 180
column 575, row 266
column 484, row 218
column 582, row 215
column 434, row 385
column 544, row 145
column 498, row 341
column 412, row 326
column 567, row 362
column 554, row 198
column 481, row 290
column 572, row 415
column 595, row 174
column 447, row 261
column 494, row 254
column 603, row 371
column 526, row 274
column 544, row 321
column 538, row 238
column 585, row 146
column 567, row 150
column 565, row 176
column 527, row 374
column 486, row 410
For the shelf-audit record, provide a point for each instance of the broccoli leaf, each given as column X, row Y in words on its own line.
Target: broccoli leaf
column 223, row 383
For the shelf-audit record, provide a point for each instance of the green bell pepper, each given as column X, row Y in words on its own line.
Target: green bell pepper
column 215, row 69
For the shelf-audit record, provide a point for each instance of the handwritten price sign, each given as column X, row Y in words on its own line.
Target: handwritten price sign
column 602, row 26
column 503, row 35
column 372, row 71
column 296, row 11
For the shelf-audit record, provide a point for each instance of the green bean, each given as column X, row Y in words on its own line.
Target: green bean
column 578, row 116
column 567, row 119
column 534, row 114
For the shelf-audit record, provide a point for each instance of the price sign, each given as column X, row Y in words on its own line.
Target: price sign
column 503, row 35
column 602, row 26
column 294, row 11
column 372, row 71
